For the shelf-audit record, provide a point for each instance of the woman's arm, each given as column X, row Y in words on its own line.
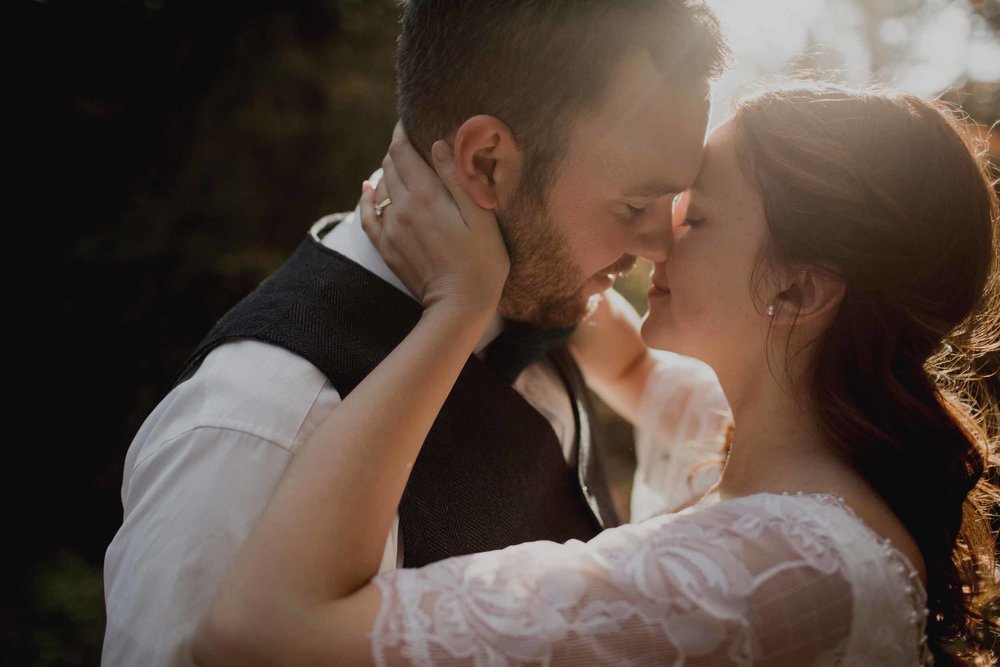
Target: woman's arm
column 299, row 590
column 612, row 355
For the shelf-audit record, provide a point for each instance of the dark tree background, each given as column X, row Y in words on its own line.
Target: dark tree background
column 178, row 152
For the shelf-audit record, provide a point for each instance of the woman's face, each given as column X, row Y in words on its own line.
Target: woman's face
column 700, row 302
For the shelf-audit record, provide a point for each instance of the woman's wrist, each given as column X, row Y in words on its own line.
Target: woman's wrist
column 461, row 315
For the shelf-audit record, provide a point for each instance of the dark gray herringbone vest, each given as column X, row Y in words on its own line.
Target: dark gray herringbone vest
column 491, row 472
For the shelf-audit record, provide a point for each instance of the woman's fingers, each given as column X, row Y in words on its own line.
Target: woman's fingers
column 392, row 179
column 369, row 221
column 390, row 186
column 410, row 166
column 391, row 232
column 381, row 194
column 398, row 216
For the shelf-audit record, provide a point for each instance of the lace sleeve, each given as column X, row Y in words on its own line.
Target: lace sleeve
column 681, row 422
column 718, row 586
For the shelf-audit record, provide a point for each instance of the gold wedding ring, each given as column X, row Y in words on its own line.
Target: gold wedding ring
column 381, row 205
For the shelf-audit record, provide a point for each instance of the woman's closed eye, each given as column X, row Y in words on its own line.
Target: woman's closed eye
column 692, row 222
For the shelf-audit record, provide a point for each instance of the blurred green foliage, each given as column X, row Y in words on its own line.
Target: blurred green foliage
column 65, row 624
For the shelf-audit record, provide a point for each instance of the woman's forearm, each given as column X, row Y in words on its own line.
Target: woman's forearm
column 323, row 532
column 299, row 591
column 612, row 355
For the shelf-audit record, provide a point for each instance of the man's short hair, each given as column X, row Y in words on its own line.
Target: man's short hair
column 538, row 65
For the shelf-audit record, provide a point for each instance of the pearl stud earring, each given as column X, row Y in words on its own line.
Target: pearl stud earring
column 770, row 310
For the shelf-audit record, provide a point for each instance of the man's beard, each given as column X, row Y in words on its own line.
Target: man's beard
column 543, row 286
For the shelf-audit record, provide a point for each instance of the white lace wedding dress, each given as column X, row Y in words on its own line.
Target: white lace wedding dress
column 765, row 579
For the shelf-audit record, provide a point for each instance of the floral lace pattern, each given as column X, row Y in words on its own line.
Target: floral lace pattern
column 764, row 579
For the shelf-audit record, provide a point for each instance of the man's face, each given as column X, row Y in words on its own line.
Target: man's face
column 611, row 199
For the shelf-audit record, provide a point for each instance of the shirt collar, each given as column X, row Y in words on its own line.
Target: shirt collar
column 349, row 239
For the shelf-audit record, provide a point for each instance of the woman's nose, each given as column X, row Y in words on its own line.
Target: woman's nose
column 678, row 214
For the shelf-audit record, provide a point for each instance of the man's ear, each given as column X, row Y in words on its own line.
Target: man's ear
column 810, row 295
column 488, row 160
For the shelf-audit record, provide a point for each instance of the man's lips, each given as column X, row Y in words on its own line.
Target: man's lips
column 658, row 289
column 602, row 281
column 622, row 266
column 607, row 276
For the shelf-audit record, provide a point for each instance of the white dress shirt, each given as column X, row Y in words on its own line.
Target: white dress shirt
column 207, row 458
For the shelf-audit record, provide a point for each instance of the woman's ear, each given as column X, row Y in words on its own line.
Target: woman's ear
column 811, row 295
column 488, row 160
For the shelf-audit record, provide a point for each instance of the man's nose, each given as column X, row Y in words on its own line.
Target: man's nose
column 655, row 238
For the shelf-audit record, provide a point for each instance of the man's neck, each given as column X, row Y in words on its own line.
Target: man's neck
column 349, row 239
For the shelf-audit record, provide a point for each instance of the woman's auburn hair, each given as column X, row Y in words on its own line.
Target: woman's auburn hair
column 894, row 195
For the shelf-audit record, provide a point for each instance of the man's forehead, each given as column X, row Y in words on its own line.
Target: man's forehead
column 656, row 173
column 650, row 161
column 653, row 189
column 653, row 156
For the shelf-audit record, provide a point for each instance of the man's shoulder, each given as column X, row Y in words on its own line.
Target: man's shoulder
column 252, row 386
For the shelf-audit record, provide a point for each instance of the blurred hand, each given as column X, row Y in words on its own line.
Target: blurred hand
column 445, row 248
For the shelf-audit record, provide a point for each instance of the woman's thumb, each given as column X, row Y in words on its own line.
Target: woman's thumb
column 444, row 159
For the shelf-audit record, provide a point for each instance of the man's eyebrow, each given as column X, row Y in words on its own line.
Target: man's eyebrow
column 654, row 190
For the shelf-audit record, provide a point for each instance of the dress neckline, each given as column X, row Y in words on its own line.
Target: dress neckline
column 836, row 500
column 916, row 589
